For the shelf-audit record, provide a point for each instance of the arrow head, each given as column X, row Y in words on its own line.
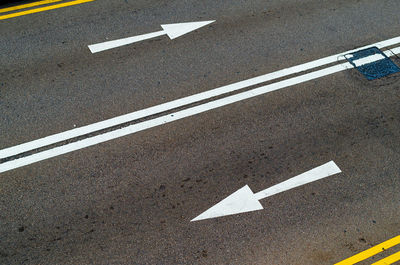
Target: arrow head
column 241, row 201
column 178, row 29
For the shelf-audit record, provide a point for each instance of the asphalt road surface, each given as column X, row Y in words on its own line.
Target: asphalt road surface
column 130, row 200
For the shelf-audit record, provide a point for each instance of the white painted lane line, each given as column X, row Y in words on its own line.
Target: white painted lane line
column 393, row 52
column 169, row 118
column 172, row 30
column 59, row 137
column 368, row 59
column 13, row 164
column 244, row 200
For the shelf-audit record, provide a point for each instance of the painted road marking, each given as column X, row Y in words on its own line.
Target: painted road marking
column 389, row 260
column 372, row 252
column 168, row 118
column 172, row 30
column 244, row 200
column 372, row 63
column 38, row 3
column 46, row 8
column 56, row 151
column 70, row 134
column 368, row 60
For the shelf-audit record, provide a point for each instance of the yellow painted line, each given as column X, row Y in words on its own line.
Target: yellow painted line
column 371, row 252
column 389, row 260
column 41, row 9
column 39, row 3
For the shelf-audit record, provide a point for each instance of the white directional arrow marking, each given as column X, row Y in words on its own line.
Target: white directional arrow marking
column 172, row 30
column 244, row 200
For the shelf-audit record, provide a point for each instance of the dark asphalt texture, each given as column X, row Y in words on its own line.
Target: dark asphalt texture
column 130, row 200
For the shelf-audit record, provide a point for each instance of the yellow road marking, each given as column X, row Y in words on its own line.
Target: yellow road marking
column 371, row 252
column 41, row 9
column 39, row 3
column 389, row 260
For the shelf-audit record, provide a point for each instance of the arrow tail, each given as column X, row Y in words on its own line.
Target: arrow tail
column 121, row 42
column 312, row 175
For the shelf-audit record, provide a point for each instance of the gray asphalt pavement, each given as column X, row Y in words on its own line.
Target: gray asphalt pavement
column 130, row 200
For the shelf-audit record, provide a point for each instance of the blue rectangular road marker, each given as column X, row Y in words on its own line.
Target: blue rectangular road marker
column 380, row 67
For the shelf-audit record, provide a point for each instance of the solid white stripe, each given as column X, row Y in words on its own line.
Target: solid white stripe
column 55, row 138
column 368, row 59
column 394, row 51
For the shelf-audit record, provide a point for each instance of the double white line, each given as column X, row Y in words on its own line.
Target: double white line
column 71, row 134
